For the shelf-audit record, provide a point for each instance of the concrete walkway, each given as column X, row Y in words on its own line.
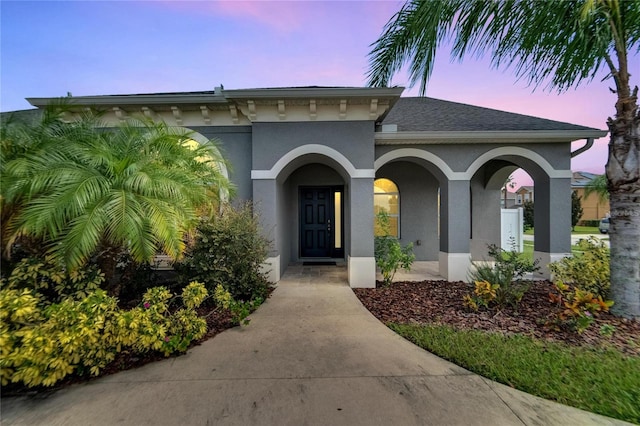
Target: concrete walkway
column 312, row 355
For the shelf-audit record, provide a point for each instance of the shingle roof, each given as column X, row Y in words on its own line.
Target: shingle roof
column 428, row 114
column 24, row 116
column 581, row 179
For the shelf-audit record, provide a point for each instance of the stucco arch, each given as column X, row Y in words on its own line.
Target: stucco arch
column 532, row 162
column 312, row 150
column 409, row 153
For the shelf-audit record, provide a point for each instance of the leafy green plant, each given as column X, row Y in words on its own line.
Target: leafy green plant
column 589, row 270
column 239, row 310
column 484, row 294
column 527, row 215
column 138, row 187
column 580, row 307
column 607, row 330
column 505, row 278
column 389, row 254
column 576, row 209
column 40, row 343
column 229, row 250
column 52, row 280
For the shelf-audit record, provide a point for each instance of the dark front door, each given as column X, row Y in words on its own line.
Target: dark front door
column 316, row 218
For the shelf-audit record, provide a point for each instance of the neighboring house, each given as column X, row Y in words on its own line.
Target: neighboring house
column 311, row 159
column 524, row 194
column 592, row 207
column 510, row 199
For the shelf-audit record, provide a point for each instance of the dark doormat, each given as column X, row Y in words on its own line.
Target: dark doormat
column 319, row 263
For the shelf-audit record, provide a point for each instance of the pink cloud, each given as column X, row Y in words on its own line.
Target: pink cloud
column 282, row 16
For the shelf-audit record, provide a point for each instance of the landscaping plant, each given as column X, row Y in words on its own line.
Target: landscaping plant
column 579, row 307
column 42, row 343
column 52, row 280
column 239, row 310
column 587, row 272
column 588, row 269
column 229, row 250
column 576, row 209
column 86, row 192
column 501, row 282
column 389, row 254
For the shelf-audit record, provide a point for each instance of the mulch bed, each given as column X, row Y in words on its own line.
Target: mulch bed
column 440, row 302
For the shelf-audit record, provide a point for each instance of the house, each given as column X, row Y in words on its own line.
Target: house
column 508, row 199
column 318, row 161
column 524, row 194
column 593, row 208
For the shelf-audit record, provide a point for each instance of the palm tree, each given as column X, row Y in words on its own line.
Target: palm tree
column 91, row 192
column 557, row 43
column 597, row 185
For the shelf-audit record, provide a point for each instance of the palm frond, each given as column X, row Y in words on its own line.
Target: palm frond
column 557, row 43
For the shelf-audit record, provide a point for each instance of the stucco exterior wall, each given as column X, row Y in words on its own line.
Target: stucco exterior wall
column 271, row 141
column 235, row 145
column 485, row 217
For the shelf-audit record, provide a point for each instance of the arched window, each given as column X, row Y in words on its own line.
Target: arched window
column 386, row 198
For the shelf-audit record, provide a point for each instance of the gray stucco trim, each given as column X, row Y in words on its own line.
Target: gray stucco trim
column 287, row 158
column 314, row 92
column 477, row 163
column 145, row 99
column 488, row 136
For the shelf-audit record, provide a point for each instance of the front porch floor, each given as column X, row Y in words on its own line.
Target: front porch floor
column 420, row 271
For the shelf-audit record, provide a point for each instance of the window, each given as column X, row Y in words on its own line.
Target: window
column 386, row 198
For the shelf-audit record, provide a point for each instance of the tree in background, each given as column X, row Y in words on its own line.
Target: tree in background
column 576, row 209
column 560, row 44
column 527, row 214
column 598, row 185
column 509, row 183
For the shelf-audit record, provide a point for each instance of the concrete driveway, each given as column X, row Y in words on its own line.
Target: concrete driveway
column 312, row 355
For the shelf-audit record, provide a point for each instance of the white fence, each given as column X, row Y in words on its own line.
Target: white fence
column 511, row 230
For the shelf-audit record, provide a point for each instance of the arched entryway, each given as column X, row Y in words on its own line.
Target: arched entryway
column 314, row 205
column 552, row 207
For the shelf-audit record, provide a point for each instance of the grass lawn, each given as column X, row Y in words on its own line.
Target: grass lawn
column 602, row 381
column 528, row 249
column 579, row 230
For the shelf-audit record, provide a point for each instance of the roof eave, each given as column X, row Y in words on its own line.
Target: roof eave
column 123, row 100
column 314, row 92
column 524, row 136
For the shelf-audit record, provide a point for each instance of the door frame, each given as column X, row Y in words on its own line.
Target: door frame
column 336, row 251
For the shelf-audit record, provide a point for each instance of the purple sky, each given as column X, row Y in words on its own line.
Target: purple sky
column 49, row 48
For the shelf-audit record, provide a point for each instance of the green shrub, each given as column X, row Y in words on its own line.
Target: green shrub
column 153, row 326
column 594, row 223
column 528, row 215
column 52, row 280
column 239, row 310
column 589, row 270
column 389, row 254
column 229, row 250
column 41, row 344
column 501, row 283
